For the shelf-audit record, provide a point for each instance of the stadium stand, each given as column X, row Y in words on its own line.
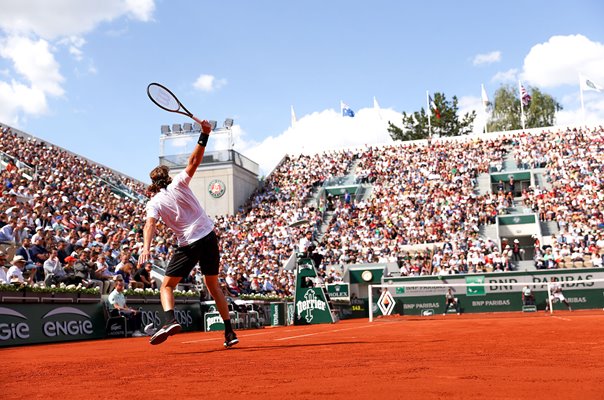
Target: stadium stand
column 422, row 206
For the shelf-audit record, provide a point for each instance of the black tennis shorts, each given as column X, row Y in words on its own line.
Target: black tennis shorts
column 204, row 251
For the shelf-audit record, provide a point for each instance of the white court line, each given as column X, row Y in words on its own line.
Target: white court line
column 371, row 325
column 562, row 318
column 220, row 339
column 264, row 332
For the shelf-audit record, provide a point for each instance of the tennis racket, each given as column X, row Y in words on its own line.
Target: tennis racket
column 165, row 99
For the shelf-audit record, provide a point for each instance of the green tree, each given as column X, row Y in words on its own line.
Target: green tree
column 541, row 111
column 415, row 125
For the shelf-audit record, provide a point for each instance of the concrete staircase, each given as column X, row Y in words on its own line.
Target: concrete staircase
column 509, row 163
column 488, row 231
column 483, row 184
column 549, row 228
column 525, row 265
column 541, row 180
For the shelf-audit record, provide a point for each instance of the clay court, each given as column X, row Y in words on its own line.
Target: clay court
column 494, row 356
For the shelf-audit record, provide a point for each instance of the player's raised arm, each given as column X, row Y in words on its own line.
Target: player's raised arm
column 197, row 155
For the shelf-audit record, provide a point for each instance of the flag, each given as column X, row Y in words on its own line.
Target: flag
column 376, row 107
column 294, row 120
column 346, row 110
column 525, row 97
column 375, row 104
column 485, row 99
column 588, row 84
column 433, row 106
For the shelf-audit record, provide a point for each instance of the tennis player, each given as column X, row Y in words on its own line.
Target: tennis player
column 556, row 294
column 174, row 203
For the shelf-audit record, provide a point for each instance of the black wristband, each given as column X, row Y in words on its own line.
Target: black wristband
column 203, row 139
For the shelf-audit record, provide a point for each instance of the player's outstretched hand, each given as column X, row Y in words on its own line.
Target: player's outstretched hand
column 206, row 127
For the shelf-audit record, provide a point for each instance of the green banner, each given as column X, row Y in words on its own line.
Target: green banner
column 213, row 321
column 187, row 315
column 516, row 219
column 367, row 275
column 338, row 291
column 48, row 323
column 311, row 307
column 477, row 288
column 278, row 314
column 496, row 291
column 505, row 176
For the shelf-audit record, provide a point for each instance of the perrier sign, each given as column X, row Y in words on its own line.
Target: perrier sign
column 310, row 305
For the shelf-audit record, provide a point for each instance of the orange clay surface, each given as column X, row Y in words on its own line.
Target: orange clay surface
column 486, row 356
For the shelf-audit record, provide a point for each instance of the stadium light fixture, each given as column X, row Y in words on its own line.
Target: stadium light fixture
column 165, row 130
column 228, row 123
column 176, row 128
column 213, row 124
column 187, row 127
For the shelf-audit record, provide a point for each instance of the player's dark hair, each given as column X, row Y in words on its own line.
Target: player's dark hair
column 160, row 179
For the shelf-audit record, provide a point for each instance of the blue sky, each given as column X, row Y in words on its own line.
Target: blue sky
column 74, row 72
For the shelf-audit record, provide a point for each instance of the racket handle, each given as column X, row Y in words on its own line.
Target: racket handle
column 199, row 121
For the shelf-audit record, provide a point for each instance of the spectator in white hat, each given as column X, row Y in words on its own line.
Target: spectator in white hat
column 3, row 278
column 15, row 273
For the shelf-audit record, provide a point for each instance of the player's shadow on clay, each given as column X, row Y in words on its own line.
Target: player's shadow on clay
column 243, row 348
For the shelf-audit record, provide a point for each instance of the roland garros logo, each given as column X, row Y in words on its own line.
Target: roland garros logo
column 216, row 188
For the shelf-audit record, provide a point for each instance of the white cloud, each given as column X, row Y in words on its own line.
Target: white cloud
column 467, row 104
column 322, row 131
column 208, row 83
column 28, row 32
column 37, row 76
column 74, row 45
column 16, row 97
column 487, row 58
column 560, row 60
column 505, row 76
column 60, row 18
column 33, row 60
column 140, row 9
column 594, row 113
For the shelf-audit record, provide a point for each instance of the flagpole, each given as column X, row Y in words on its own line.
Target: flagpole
column 581, row 92
column 429, row 111
column 484, row 107
column 521, row 105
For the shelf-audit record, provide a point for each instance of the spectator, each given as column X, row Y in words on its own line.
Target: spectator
column 528, row 298
column 451, row 302
column 516, row 251
column 117, row 301
column 53, row 270
column 555, row 294
column 143, row 276
column 3, row 277
column 103, row 274
column 39, row 254
column 15, row 273
column 7, row 233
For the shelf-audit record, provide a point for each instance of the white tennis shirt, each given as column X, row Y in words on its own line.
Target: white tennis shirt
column 179, row 209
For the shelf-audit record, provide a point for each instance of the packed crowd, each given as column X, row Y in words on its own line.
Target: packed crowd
column 66, row 224
column 573, row 160
column 421, row 194
column 426, row 194
column 69, row 224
